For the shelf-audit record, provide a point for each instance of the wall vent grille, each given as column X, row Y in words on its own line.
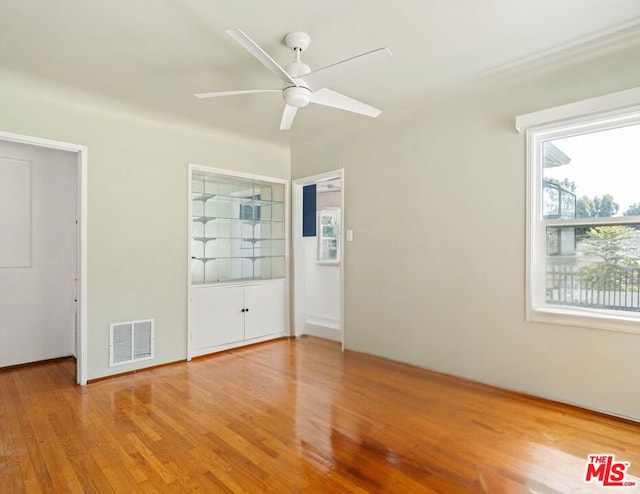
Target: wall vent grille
column 130, row 341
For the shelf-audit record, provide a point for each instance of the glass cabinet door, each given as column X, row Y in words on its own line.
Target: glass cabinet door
column 238, row 229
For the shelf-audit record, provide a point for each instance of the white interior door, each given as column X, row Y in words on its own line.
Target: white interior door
column 39, row 264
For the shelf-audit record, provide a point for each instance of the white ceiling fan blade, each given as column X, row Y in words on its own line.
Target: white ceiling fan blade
column 252, row 47
column 324, row 77
column 288, row 115
column 327, row 97
column 235, row 93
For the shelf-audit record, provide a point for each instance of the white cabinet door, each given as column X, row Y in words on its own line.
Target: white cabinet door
column 266, row 309
column 217, row 316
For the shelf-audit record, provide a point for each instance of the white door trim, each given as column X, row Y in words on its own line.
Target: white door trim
column 82, row 151
column 298, row 250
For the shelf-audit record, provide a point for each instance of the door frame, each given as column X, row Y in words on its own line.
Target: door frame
column 81, row 215
column 298, row 250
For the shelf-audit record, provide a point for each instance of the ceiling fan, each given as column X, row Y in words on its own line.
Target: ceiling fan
column 301, row 86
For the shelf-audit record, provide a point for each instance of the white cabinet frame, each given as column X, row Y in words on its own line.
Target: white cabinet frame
column 284, row 283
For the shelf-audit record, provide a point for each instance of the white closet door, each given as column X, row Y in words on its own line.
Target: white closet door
column 38, row 253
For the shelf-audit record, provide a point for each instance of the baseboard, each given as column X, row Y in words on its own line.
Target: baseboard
column 327, row 333
column 36, row 362
column 323, row 321
column 135, row 371
column 195, row 357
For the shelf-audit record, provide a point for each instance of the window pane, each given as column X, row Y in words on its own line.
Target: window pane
column 551, row 203
column 588, row 175
column 328, row 236
column 597, row 267
column 567, row 204
column 328, row 231
column 328, row 218
column 329, row 250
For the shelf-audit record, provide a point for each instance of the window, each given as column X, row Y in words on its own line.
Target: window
column 584, row 221
column 328, row 242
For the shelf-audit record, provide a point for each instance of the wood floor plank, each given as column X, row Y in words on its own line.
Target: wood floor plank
column 294, row 416
column 32, row 465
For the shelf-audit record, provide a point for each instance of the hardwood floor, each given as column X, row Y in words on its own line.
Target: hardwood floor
column 293, row 416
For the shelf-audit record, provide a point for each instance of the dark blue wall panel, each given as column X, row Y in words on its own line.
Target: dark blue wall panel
column 309, row 211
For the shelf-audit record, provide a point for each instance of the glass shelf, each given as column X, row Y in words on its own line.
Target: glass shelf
column 202, row 197
column 251, row 258
column 206, row 219
column 238, row 229
column 243, row 239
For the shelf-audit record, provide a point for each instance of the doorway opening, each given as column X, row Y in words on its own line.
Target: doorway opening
column 43, row 271
column 318, row 246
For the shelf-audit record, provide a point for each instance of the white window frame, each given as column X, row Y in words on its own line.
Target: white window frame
column 605, row 112
column 334, row 212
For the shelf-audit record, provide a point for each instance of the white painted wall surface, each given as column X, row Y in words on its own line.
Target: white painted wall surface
column 328, row 200
column 435, row 275
column 37, row 309
column 322, row 288
column 15, row 219
column 137, row 228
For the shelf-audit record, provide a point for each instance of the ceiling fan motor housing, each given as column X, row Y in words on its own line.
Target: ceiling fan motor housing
column 301, row 95
column 297, row 69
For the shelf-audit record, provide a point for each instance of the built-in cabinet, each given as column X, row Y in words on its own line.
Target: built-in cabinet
column 238, row 259
column 224, row 316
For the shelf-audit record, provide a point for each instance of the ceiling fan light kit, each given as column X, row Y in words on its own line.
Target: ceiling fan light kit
column 298, row 96
column 302, row 86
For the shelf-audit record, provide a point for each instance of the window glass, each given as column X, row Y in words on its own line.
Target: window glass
column 328, row 242
column 585, row 227
column 601, row 169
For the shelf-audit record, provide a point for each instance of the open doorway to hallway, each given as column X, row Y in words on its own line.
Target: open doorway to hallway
column 318, row 255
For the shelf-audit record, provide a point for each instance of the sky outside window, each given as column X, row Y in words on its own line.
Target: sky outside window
column 605, row 162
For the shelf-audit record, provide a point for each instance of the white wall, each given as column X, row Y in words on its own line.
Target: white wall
column 37, row 313
column 322, row 282
column 137, row 202
column 322, row 288
column 435, row 275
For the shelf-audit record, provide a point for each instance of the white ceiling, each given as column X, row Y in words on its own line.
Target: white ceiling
column 155, row 54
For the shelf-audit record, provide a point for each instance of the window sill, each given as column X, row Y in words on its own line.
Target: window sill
column 585, row 318
column 328, row 263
